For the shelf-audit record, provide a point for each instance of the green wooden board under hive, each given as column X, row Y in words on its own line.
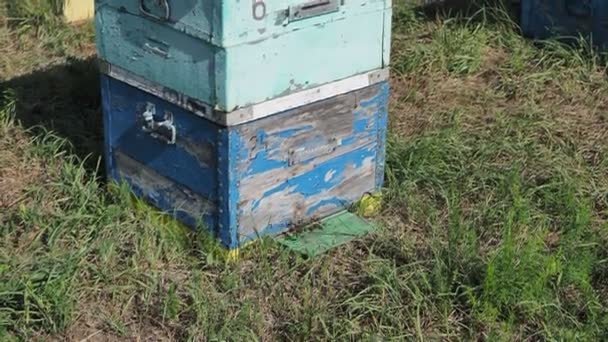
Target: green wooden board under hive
column 327, row 234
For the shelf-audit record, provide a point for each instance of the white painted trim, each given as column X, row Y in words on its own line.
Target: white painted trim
column 304, row 97
column 252, row 112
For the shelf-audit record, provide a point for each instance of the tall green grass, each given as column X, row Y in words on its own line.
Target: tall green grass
column 494, row 224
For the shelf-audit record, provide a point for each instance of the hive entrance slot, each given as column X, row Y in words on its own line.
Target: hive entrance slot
column 315, row 5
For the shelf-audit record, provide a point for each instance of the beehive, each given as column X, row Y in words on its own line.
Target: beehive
column 246, row 117
column 566, row 19
column 233, row 54
column 252, row 178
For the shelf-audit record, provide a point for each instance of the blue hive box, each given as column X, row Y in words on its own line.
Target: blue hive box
column 258, row 177
column 567, row 19
column 232, row 54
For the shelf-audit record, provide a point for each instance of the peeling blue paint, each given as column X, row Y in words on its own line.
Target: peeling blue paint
column 361, row 125
column 307, row 159
column 336, row 202
column 272, row 229
column 262, row 163
column 313, row 182
column 381, row 129
column 125, row 106
column 235, row 146
column 158, row 199
column 224, row 230
column 288, row 133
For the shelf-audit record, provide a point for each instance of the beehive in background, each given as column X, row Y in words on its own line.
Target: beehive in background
column 566, row 19
column 78, row 10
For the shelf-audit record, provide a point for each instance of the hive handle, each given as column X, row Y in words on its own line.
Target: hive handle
column 165, row 3
column 313, row 8
column 164, row 130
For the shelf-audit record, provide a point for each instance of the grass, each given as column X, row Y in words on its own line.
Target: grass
column 34, row 13
column 494, row 221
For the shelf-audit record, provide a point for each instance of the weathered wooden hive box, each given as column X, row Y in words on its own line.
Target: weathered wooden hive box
column 232, row 54
column 253, row 178
column 566, row 19
column 246, row 117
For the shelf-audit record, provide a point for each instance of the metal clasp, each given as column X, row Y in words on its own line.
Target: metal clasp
column 164, row 130
column 165, row 3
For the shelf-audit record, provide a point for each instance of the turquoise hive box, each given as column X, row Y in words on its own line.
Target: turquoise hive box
column 232, row 54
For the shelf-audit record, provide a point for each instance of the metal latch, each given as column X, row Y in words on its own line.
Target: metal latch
column 164, row 130
column 312, row 9
column 159, row 3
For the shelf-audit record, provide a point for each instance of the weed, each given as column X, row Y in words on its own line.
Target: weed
column 34, row 13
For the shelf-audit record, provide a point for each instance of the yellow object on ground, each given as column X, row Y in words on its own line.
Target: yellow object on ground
column 370, row 205
column 234, row 255
column 78, row 10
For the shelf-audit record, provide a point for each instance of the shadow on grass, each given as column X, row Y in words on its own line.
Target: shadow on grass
column 64, row 99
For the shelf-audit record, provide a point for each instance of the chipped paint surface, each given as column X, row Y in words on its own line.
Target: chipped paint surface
column 381, row 131
column 193, row 157
column 185, row 204
column 278, row 60
column 258, row 178
column 163, row 192
column 338, row 158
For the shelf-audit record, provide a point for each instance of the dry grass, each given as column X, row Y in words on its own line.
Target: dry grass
column 17, row 171
column 494, row 223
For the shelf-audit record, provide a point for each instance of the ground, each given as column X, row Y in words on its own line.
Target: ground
column 494, row 220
